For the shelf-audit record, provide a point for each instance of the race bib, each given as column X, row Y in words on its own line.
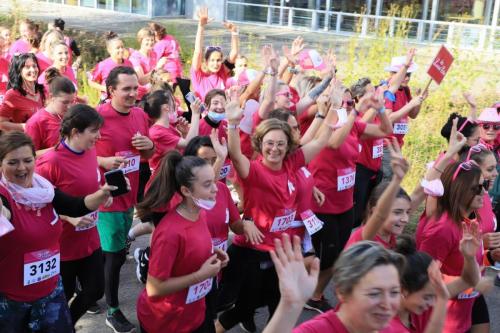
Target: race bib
column 283, row 222
column 378, row 149
column 41, row 265
column 311, row 222
column 468, row 294
column 224, row 171
column 92, row 216
column 400, row 128
column 131, row 162
column 345, row 179
column 220, row 244
column 199, row 290
column 307, row 243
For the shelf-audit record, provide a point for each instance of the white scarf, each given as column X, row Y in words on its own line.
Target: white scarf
column 36, row 197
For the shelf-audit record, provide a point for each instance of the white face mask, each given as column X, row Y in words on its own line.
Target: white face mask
column 203, row 203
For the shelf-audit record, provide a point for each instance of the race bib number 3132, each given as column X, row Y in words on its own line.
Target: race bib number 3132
column 41, row 265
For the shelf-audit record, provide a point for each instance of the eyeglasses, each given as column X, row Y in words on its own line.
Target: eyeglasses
column 271, row 144
column 478, row 189
column 466, row 166
column 475, row 150
column 487, row 126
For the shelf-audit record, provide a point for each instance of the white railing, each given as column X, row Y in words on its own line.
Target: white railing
column 463, row 35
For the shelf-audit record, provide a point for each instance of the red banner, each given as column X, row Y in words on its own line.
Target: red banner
column 440, row 65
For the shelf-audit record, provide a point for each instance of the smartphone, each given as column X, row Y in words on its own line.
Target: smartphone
column 116, row 178
column 191, row 97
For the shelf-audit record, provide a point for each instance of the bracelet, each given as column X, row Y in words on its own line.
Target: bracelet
column 269, row 71
column 293, row 70
column 434, row 167
column 233, row 126
column 319, row 115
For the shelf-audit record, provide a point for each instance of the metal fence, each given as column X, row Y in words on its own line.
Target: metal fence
column 462, row 35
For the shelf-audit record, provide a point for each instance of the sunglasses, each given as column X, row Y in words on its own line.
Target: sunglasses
column 479, row 188
column 213, row 48
column 467, row 121
column 349, row 103
column 487, row 126
column 476, row 150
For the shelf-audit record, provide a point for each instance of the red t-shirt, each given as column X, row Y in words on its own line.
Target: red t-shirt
column 270, row 199
column 43, row 128
column 400, row 127
column 326, row 322
column 179, row 247
column 222, row 216
column 4, row 77
column 169, row 47
column 76, row 174
column 18, row 108
column 357, row 236
column 34, row 240
column 372, row 151
column 334, row 172
column 440, row 238
column 305, row 120
column 205, row 129
column 165, row 140
column 204, row 82
column 44, row 62
column 418, row 323
column 116, row 140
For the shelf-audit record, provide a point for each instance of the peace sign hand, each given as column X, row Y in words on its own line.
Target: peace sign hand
column 471, row 240
column 399, row 164
column 457, row 139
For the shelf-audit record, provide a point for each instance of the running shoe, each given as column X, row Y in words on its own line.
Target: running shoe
column 94, row 309
column 141, row 258
column 321, row 306
column 118, row 323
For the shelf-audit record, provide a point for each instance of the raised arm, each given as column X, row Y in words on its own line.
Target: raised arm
column 385, row 127
column 195, row 124
column 203, row 20
column 290, row 59
column 473, row 105
column 234, row 114
column 220, row 150
column 235, row 41
column 394, row 116
column 267, row 103
column 398, row 78
column 438, row 317
column 383, row 208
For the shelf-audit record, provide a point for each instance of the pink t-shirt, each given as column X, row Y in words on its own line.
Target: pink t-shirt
column 334, row 172
column 44, row 62
column 165, row 140
column 440, row 238
column 19, row 46
column 147, row 64
column 18, row 108
column 44, row 128
column 101, row 71
column 326, row 322
column 169, row 47
column 116, row 140
column 76, row 174
column 357, row 236
column 270, row 199
column 179, row 247
column 204, row 82
column 68, row 73
column 222, row 216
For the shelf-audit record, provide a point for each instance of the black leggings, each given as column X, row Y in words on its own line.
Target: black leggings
column 113, row 262
column 330, row 240
column 90, row 273
column 259, row 286
column 366, row 180
column 144, row 175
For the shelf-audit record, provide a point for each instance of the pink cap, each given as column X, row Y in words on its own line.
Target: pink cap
column 311, row 59
column 489, row 115
column 246, row 77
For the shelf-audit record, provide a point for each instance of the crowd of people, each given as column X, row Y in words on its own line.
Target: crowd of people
column 259, row 187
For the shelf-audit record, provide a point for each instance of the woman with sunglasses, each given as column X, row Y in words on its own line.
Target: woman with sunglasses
column 209, row 70
column 366, row 278
column 24, row 95
column 489, row 126
column 440, row 230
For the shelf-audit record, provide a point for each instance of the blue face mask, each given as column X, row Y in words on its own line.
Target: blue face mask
column 216, row 117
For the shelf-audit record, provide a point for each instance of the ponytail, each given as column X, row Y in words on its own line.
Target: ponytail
column 174, row 171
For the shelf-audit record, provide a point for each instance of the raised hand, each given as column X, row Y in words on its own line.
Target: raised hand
column 437, row 282
column 296, row 284
column 230, row 26
column 297, row 46
column 457, row 139
column 336, row 95
column 219, row 147
column 410, row 55
column 471, row 240
column 470, row 98
column 399, row 164
column 196, row 107
column 203, row 18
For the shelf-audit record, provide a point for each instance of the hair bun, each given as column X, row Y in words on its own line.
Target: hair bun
column 109, row 35
column 405, row 245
